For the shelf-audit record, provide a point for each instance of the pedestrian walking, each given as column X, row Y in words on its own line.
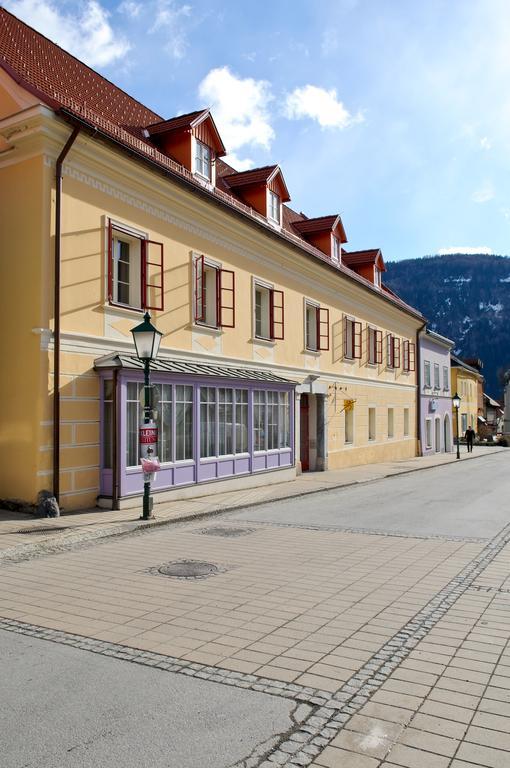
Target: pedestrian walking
column 469, row 437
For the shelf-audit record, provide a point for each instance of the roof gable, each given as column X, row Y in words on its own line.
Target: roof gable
column 267, row 174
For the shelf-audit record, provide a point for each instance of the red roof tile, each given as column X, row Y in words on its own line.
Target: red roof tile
column 361, row 258
column 175, row 123
column 240, row 179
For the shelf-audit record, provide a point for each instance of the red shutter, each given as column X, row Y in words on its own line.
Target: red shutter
column 356, row 340
column 346, row 331
column 152, row 275
column 276, row 315
column 199, row 290
column 378, row 347
column 396, row 352
column 226, row 298
column 322, row 329
column 412, row 356
column 110, row 260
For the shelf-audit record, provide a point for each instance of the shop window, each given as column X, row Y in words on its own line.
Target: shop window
column 409, row 356
column 207, row 421
column 241, row 419
column 183, row 422
column 214, row 294
column 352, row 339
column 371, row 424
column 375, row 346
column 269, row 313
column 316, row 327
column 271, row 420
column 135, row 270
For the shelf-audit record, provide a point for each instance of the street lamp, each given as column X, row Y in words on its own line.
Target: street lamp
column 456, row 405
column 147, row 339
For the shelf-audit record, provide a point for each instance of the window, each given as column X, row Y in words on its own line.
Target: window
column 371, row 424
column 135, row 270
column 214, row 294
column 409, row 356
column 226, row 421
column 393, row 351
column 446, row 378
column 269, row 313
column 377, row 277
column 374, row 346
column 349, row 426
column 391, row 426
column 183, row 422
column 426, row 374
column 203, row 160
column 273, row 206
column 241, row 416
column 436, row 376
column 464, row 423
column 352, row 339
column 406, row 422
column 207, row 421
column 428, row 433
column 336, row 253
column 271, row 420
column 108, row 424
column 165, row 433
column 316, row 327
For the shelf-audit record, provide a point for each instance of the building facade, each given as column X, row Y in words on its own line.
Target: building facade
column 467, row 382
column 435, row 393
column 281, row 352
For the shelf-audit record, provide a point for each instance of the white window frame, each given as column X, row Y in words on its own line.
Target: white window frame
column 336, row 249
column 427, row 375
column 372, row 337
column 209, row 265
column 446, row 378
column 310, row 304
column 377, row 276
column 437, row 379
column 199, row 162
column 132, row 236
column 256, row 283
column 271, row 197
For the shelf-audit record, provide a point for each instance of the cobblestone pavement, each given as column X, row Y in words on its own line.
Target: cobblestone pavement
column 395, row 645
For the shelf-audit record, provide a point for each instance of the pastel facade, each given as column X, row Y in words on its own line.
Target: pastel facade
column 467, row 382
column 435, row 393
column 281, row 352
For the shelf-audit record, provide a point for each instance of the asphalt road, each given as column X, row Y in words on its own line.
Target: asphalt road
column 466, row 499
column 61, row 707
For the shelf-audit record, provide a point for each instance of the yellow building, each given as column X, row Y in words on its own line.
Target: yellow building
column 281, row 351
column 467, row 382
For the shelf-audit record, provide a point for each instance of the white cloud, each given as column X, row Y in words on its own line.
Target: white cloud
column 485, row 143
column 484, row 193
column 130, row 8
column 320, row 105
column 240, row 109
column 86, row 33
column 238, row 163
column 169, row 20
column 466, row 249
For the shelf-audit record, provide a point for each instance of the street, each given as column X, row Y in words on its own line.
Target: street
column 365, row 627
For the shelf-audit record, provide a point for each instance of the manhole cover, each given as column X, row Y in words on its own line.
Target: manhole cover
column 188, row 569
column 227, row 533
column 42, row 530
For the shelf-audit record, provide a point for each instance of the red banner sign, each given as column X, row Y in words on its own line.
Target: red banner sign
column 148, row 435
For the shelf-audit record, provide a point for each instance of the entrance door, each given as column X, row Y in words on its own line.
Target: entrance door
column 304, row 432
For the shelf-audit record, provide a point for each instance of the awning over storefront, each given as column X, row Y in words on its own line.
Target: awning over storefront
column 164, row 365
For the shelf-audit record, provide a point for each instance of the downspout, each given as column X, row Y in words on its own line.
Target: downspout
column 418, row 387
column 56, row 313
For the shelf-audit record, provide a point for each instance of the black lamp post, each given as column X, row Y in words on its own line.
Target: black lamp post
column 456, row 405
column 147, row 339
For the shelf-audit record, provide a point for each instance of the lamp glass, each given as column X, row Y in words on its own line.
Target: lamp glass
column 456, row 401
column 147, row 339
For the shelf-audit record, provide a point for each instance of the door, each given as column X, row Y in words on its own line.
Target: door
column 304, row 433
column 438, row 435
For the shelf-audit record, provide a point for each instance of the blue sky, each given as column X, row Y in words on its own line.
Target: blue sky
column 393, row 113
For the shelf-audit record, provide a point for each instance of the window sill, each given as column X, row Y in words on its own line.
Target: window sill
column 373, row 365
column 265, row 342
column 314, row 352
column 122, row 309
column 211, row 329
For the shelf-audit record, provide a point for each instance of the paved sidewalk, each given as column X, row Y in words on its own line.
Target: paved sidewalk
column 16, row 529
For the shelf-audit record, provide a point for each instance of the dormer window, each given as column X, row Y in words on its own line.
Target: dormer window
column 337, row 250
column 378, row 276
column 273, row 206
column 202, row 159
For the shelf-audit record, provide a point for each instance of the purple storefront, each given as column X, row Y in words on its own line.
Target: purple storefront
column 435, row 393
column 216, row 423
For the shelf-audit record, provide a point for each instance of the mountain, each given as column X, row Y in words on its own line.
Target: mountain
column 466, row 298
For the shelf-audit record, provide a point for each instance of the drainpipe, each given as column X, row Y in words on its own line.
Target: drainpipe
column 56, row 313
column 418, row 372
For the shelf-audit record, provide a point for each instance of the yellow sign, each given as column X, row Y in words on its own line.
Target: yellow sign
column 349, row 405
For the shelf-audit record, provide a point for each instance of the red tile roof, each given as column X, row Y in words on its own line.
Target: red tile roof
column 75, row 90
column 176, row 123
column 361, row 258
column 240, row 179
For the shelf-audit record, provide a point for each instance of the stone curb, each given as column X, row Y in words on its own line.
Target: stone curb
column 62, row 543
